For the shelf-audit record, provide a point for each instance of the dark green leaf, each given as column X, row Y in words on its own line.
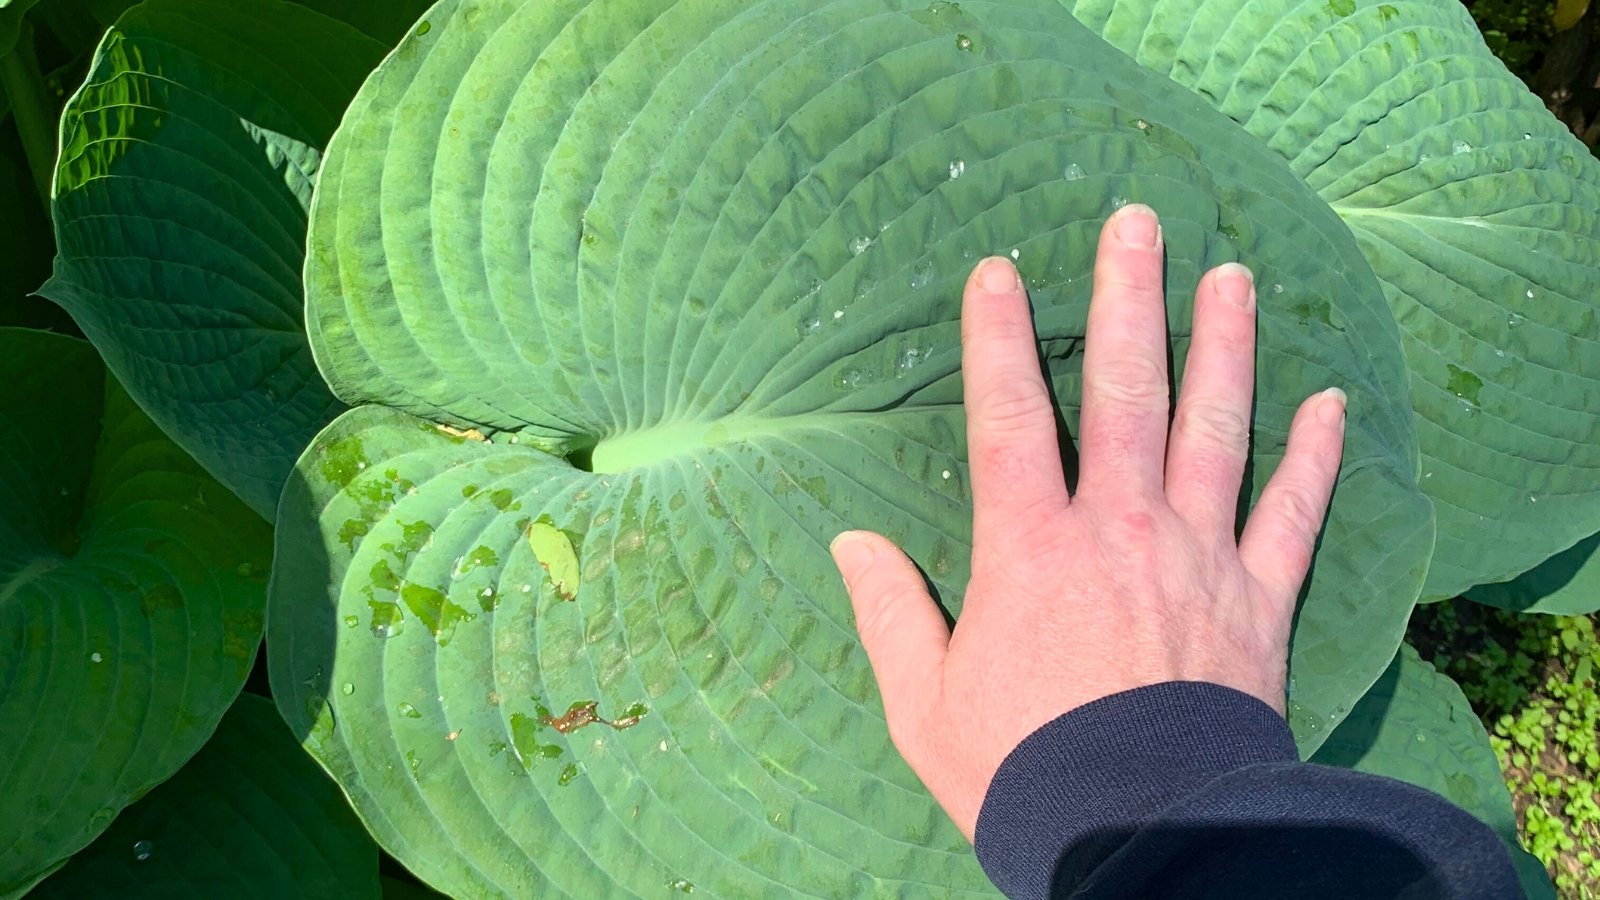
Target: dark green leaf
column 131, row 594
column 1416, row 725
column 187, row 164
column 1567, row 584
column 251, row 816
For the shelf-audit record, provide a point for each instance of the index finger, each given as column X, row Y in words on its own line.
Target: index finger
column 1011, row 426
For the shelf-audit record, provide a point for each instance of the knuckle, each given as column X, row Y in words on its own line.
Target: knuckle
column 882, row 618
column 1014, row 402
column 1300, row 514
column 1136, row 526
column 1130, row 380
column 1213, row 425
column 1135, row 276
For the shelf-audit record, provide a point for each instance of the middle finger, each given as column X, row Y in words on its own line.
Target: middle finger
column 1125, row 400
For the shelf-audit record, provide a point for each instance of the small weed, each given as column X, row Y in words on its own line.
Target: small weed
column 1532, row 680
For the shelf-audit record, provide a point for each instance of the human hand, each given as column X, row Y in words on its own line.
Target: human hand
column 1135, row 580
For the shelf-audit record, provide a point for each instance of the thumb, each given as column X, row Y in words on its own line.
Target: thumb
column 901, row 627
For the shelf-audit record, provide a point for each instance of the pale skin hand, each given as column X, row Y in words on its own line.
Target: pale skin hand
column 1134, row 580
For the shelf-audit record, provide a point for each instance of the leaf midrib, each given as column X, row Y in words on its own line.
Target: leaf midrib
column 648, row 446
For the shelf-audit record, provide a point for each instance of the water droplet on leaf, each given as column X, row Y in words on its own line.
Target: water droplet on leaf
column 1072, row 172
column 142, row 850
column 957, row 168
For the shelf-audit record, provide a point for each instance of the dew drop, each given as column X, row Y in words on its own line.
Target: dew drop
column 1499, row 352
column 347, row 689
column 963, row 43
column 351, row 621
column 1118, row 202
column 958, row 168
column 945, row 474
column 96, row 657
column 910, row 358
column 860, row 245
column 1529, row 294
column 1277, row 288
column 1527, row 135
column 921, row 275
column 142, row 850
column 361, row 465
column 526, row 589
column 1459, row 147
column 408, row 711
column 1072, row 172
column 838, row 314
column 1532, row 499
column 1514, row 321
column 1015, row 253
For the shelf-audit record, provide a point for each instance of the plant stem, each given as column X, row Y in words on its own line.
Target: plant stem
column 30, row 107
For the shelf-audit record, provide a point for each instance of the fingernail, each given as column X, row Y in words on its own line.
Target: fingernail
column 851, row 553
column 1330, row 409
column 1137, row 226
column 1235, row 284
column 998, row 276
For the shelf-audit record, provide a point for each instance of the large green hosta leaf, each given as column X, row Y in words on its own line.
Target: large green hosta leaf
column 1416, row 725
column 1478, row 211
column 131, row 594
column 713, row 252
column 186, row 166
column 250, row 816
column 1567, row 584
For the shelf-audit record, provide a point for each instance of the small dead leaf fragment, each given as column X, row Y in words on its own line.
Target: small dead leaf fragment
column 471, row 434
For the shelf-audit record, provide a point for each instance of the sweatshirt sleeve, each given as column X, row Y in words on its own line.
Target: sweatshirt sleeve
column 1194, row 790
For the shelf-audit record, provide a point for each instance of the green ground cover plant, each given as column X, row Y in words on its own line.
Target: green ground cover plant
column 542, row 346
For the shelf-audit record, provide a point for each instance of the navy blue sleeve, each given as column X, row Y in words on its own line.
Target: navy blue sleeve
column 1194, row 790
